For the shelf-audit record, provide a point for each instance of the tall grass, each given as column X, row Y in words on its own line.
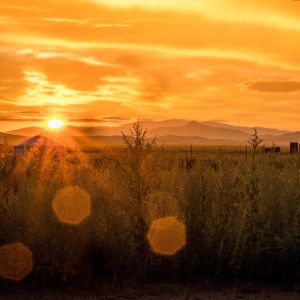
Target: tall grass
column 242, row 217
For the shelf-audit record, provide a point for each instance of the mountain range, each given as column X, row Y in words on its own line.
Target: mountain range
column 173, row 131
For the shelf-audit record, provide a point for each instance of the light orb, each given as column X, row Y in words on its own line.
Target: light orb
column 72, row 205
column 167, row 236
column 55, row 123
column 16, row 261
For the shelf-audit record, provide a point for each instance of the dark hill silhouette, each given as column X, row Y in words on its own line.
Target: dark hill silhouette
column 201, row 130
column 248, row 130
column 27, row 131
column 95, row 130
column 171, row 131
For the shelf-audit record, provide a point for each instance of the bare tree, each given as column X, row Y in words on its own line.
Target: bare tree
column 139, row 146
column 255, row 141
column 137, row 140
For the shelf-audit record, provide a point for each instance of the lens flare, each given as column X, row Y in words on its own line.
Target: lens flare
column 72, row 205
column 167, row 236
column 15, row 261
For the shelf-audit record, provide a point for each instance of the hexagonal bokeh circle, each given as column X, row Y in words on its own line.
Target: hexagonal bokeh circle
column 16, row 261
column 167, row 236
column 72, row 205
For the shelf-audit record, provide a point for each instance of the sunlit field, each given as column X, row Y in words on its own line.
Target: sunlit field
column 145, row 212
column 149, row 149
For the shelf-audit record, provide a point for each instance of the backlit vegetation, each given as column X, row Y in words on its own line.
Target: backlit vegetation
column 229, row 216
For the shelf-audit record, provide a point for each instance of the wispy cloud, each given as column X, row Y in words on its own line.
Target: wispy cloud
column 87, row 22
column 19, row 119
column 248, row 11
column 232, row 60
column 40, row 54
column 222, row 53
column 19, row 7
column 62, row 20
column 275, row 86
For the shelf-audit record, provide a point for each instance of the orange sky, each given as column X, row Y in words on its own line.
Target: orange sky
column 110, row 61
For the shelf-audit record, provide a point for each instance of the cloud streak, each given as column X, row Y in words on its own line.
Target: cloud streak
column 275, row 86
column 85, row 60
column 222, row 53
column 248, row 11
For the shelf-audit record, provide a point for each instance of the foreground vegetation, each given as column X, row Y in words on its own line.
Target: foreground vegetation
column 242, row 217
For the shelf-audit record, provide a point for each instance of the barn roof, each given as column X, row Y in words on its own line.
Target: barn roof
column 39, row 140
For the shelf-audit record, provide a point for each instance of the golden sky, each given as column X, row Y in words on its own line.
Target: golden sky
column 110, row 61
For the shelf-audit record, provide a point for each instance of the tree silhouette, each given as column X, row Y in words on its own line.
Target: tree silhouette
column 255, row 141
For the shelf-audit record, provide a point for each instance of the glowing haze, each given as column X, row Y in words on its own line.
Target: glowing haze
column 111, row 61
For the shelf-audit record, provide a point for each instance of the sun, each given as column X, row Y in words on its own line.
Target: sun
column 55, row 123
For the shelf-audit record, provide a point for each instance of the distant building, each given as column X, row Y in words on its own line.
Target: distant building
column 294, row 147
column 38, row 141
column 271, row 149
column 267, row 150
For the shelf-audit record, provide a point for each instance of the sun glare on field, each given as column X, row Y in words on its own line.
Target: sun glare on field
column 55, row 123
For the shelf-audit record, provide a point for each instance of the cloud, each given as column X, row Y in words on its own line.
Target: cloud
column 63, row 20
column 19, row 7
column 161, row 50
column 160, row 59
column 274, row 86
column 115, row 118
column 12, row 81
column 98, row 120
column 247, row 11
column 20, row 119
column 88, row 23
column 85, row 75
column 101, row 108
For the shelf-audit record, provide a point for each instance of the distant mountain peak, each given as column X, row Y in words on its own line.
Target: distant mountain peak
column 193, row 122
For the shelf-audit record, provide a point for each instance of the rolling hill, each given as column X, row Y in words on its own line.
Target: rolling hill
column 11, row 139
column 96, row 130
column 248, row 130
column 201, row 130
column 288, row 137
column 173, row 131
